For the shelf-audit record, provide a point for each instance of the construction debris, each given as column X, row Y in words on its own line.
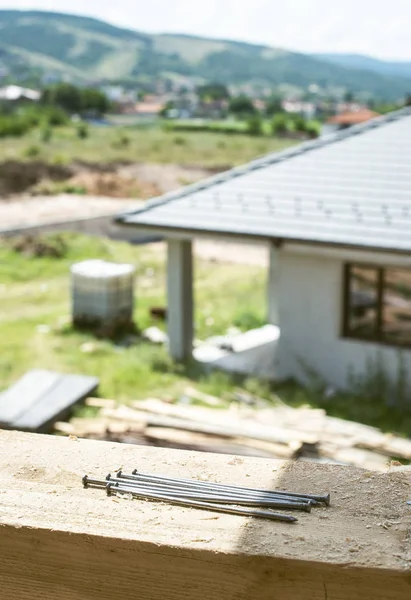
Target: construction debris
column 155, row 335
column 249, row 428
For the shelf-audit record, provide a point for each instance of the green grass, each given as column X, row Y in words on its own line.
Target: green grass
column 229, row 126
column 35, row 330
column 146, row 144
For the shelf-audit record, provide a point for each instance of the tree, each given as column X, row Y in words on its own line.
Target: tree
column 73, row 99
column 93, row 100
column 280, row 124
column 241, row 106
column 349, row 97
column 170, row 105
column 64, row 95
column 255, row 125
column 298, row 123
column 212, row 92
column 274, row 106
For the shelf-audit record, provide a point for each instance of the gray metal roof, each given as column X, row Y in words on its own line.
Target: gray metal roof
column 350, row 188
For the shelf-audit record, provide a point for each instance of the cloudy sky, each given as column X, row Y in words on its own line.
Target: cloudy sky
column 373, row 27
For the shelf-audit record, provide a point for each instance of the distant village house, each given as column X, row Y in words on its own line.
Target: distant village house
column 15, row 93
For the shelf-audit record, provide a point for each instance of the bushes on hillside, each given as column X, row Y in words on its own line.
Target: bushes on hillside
column 82, row 131
column 44, row 115
column 14, row 126
column 46, row 133
column 283, row 124
column 241, row 106
column 280, row 124
column 203, row 125
column 22, row 120
column 76, row 100
column 255, row 126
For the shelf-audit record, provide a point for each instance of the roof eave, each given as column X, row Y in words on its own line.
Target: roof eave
column 182, row 232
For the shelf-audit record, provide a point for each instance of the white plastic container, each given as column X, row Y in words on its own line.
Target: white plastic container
column 102, row 294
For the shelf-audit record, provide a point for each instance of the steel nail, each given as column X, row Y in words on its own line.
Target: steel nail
column 324, row 499
column 189, row 488
column 205, row 505
column 212, row 497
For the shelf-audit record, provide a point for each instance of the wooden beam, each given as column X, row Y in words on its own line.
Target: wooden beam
column 59, row 540
column 180, row 298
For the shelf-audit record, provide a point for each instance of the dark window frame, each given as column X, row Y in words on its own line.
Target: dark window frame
column 379, row 333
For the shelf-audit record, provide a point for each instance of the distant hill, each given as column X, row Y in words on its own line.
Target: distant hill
column 86, row 49
column 358, row 61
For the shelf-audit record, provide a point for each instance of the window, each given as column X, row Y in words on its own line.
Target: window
column 378, row 304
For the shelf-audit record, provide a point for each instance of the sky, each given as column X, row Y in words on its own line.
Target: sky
column 373, row 27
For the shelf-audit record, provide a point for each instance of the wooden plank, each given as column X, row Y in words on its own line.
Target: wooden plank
column 101, row 403
column 57, row 536
column 218, row 444
column 354, row 456
column 201, row 397
column 225, row 420
column 251, row 432
column 388, row 445
column 24, row 394
column 56, row 403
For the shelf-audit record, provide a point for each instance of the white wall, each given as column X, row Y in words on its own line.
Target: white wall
column 310, row 298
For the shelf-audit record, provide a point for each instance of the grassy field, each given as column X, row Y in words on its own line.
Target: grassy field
column 140, row 144
column 35, row 331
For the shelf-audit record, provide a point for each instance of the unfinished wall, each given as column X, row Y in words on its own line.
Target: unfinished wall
column 310, row 306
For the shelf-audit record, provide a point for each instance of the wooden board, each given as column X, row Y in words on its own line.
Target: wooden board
column 25, row 393
column 40, row 398
column 59, row 540
column 56, row 404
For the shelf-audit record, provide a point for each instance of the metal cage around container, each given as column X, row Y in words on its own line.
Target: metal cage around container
column 102, row 294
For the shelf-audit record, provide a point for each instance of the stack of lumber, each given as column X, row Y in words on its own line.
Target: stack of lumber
column 263, row 430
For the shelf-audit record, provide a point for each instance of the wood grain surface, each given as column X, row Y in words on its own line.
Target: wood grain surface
column 58, row 540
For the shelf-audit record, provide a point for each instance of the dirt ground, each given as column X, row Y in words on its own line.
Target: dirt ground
column 109, row 190
column 140, row 180
column 26, row 210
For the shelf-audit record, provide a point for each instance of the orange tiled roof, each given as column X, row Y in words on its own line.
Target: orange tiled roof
column 353, row 118
column 148, row 108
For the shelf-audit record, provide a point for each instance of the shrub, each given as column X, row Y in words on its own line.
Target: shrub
column 56, row 116
column 254, row 126
column 82, row 131
column 197, row 126
column 51, row 246
column 69, row 188
column 14, row 126
column 241, row 106
column 60, row 159
column 313, row 129
column 279, row 124
column 46, row 133
column 51, row 115
column 299, row 123
column 31, row 151
column 179, row 141
column 122, row 140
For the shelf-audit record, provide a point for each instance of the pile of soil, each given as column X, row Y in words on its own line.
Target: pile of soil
column 17, row 177
column 115, row 180
column 113, row 185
